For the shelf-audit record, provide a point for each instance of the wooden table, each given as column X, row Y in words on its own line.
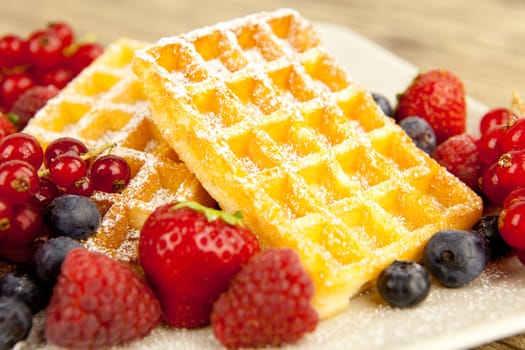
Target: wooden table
column 483, row 42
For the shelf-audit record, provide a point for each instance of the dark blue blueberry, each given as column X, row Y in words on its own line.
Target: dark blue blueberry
column 404, row 284
column 16, row 321
column 456, row 257
column 74, row 216
column 49, row 257
column 420, row 132
column 26, row 287
column 488, row 227
column 384, row 104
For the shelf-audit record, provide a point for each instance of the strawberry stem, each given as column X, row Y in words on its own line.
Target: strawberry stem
column 212, row 214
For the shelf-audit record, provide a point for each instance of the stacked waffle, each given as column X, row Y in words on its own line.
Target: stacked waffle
column 273, row 126
column 105, row 104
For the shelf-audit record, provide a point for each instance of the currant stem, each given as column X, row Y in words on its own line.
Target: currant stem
column 42, row 172
column 518, row 106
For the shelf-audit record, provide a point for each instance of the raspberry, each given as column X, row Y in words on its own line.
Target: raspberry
column 31, row 101
column 98, row 302
column 460, row 156
column 268, row 302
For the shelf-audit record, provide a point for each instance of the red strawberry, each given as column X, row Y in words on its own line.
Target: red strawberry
column 98, row 302
column 30, row 102
column 189, row 254
column 439, row 97
column 268, row 302
column 6, row 126
column 460, row 156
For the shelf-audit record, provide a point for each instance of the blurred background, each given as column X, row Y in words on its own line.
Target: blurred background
column 481, row 41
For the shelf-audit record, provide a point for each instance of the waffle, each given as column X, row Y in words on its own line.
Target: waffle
column 105, row 104
column 273, row 126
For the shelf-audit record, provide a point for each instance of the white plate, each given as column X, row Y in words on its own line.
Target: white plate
column 491, row 308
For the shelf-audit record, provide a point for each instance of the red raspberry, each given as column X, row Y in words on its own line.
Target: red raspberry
column 98, row 302
column 437, row 96
column 460, row 156
column 268, row 302
column 31, row 102
column 189, row 254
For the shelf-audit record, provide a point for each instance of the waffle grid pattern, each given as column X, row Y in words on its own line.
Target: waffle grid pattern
column 105, row 104
column 273, row 126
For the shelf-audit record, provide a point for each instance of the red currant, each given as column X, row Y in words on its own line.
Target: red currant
column 63, row 145
column 489, row 145
column 110, row 173
column 82, row 187
column 23, row 147
column 494, row 117
column 18, row 181
column 56, row 76
column 46, row 192
column 26, row 226
column 491, row 185
column 511, row 224
column 64, row 32
column 84, row 55
column 514, row 136
column 6, row 215
column 14, row 85
column 511, row 170
column 67, row 168
column 515, row 196
column 44, row 48
column 12, row 51
column 520, row 254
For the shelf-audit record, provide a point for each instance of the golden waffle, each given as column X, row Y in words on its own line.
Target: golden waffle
column 106, row 104
column 272, row 126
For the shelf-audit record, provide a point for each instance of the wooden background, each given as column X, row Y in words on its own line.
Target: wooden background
column 482, row 41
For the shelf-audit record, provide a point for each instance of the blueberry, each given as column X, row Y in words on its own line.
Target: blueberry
column 16, row 321
column 49, row 257
column 456, row 257
column 488, row 227
column 420, row 132
column 384, row 104
column 404, row 284
column 74, row 216
column 26, row 287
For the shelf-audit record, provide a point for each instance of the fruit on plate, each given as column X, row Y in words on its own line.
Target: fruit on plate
column 456, row 257
column 189, row 254
column 267, row 303
column 98, row 302
column 438, row 96
column 404, row 284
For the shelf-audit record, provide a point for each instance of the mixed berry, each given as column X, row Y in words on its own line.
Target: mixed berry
column 49, row 56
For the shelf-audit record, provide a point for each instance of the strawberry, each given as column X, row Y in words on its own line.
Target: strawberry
column 437, row 96
column 189, row 253
column 6, row 125
column 31, row 102
column 98, row 302
column 268, row 302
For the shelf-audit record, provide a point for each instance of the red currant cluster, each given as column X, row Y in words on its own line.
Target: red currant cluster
column 502, row 154
column 30, row 178
column 49, row 56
